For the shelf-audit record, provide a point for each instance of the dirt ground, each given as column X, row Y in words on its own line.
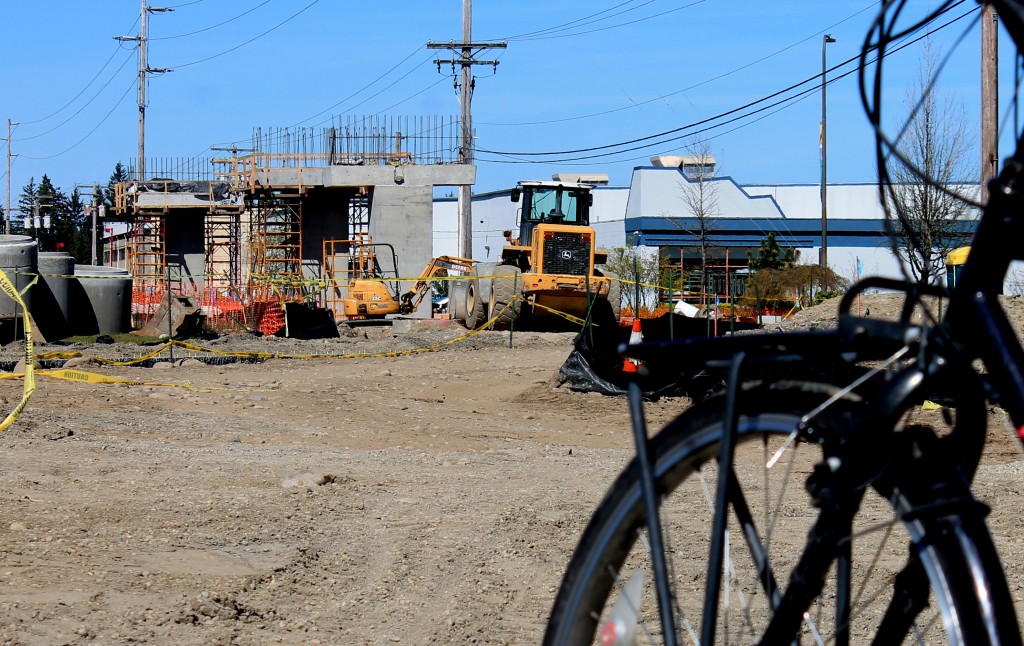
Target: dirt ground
column 426, row 498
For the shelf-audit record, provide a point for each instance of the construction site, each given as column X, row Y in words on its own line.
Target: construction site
column 279, row 223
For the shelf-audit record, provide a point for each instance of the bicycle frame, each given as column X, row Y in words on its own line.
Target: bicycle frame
column 975, row 327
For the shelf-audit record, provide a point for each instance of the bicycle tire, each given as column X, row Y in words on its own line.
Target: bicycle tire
column 953, row 549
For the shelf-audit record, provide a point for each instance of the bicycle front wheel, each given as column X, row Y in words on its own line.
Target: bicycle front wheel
column 904, row 577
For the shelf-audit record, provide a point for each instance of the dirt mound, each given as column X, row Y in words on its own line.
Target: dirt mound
column 887, row 306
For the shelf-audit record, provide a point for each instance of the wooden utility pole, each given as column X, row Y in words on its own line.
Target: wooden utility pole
column 144, row 71
column 989, row 97
column 7, row 208
column 466, row 51
column 96, row 202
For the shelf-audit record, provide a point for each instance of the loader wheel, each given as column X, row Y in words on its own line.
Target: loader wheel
column 505, row 286
column 614, row 294
column 474, row 305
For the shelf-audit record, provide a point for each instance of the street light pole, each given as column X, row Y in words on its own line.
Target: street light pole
column 823, row 259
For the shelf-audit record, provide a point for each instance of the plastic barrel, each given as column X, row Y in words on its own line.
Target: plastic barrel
column 101, row 300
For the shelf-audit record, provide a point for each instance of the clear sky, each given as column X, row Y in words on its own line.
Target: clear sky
column 575, row 75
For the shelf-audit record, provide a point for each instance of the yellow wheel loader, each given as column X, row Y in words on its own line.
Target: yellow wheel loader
column 548, row 270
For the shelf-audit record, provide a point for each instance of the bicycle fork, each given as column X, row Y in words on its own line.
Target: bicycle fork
column 726, row 486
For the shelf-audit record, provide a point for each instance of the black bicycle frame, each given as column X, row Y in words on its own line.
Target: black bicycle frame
column 975, row 326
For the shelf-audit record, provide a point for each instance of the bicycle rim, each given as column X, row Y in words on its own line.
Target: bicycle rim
column 613, row 547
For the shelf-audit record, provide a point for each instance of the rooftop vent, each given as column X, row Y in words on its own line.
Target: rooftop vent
column 581, row 178
column 691, row 165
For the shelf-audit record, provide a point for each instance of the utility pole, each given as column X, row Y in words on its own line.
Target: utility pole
column 95, row 210
column 7, row 208
column 144, row 72
column 96, row 202
column 989, row 97
column 823, row 260
column 466, row 52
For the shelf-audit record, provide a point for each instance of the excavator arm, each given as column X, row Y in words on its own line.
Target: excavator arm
column 442, row 264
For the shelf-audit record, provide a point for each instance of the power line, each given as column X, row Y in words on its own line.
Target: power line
column 578, row 21
column 84, row 88
column 623, row 24
column 253, row 39
column 371, row 83
column 691, row 87
column 219, row 24
column 726, row 113
column 80, row 110
column 89, row 134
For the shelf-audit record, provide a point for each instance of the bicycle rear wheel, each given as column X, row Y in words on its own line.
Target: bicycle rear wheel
column 942, row 559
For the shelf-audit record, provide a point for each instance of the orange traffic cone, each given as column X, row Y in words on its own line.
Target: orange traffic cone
column 636, row 336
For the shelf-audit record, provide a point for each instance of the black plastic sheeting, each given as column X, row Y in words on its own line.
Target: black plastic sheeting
column 595, row 364
column 308, row 322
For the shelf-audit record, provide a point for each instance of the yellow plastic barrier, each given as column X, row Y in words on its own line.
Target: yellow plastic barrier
column 30, row 380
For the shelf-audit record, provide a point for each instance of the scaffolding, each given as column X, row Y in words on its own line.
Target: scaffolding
column 147, row 263
column 275, row 239
column 223, row 250
column 252, row 202
column 359, row 214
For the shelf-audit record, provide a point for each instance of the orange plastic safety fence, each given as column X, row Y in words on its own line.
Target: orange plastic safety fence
column 267, row 317
column 224, row 310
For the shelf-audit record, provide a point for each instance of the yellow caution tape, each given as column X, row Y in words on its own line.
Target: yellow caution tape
column 83, row 377
column 30, row 381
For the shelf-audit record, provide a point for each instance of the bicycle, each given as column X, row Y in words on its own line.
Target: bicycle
column 887, row 542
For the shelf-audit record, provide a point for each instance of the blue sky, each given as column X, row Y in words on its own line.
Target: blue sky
column 575, row 75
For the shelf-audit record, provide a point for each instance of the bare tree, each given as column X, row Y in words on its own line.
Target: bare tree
column 926, row 190
column 700, row 194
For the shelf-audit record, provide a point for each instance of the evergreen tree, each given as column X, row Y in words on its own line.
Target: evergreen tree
column 770, row 255
column 26, row 206
column 50, row 204
column 70, row 229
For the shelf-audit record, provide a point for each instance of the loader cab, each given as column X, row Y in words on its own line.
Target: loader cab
column 551, row 203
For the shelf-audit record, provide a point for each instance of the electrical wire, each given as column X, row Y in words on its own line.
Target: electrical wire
column 723, row 114
column 219, row 24
column 253, row 39
column 87, row 104
column 366, row 86
column 691, row 87
column 90, row 133
column 623, row 24
column 567, row 24
column 118, row 48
